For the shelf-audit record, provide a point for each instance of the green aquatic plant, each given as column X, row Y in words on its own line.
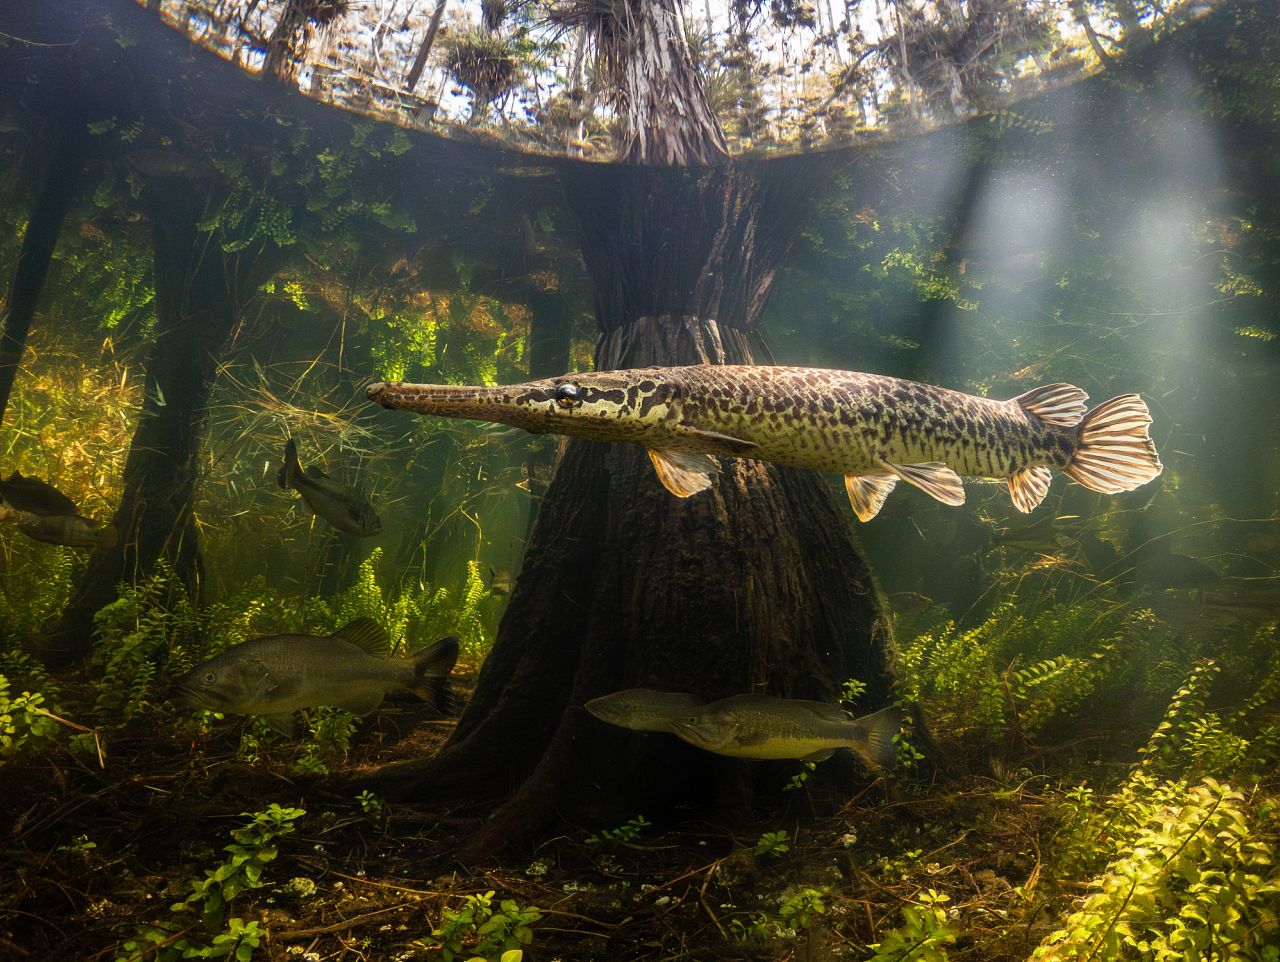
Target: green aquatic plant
column 253, row 847
column 25, row 724
column 798, row 910
column 330, row 737
column 414, row 616
column 627, row 832
column 1197, row 881
column 772, row 843
column 153, row 633
column 923, row 935
column 1024, row 667
column 36, row 587
column 478, row 930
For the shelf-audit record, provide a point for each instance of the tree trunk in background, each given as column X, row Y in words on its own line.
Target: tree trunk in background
column 287, row 42
column 196, row 311
column 668, row 118
column 68, row 151
column 550, row 333
column 758, row 585
column 420, row 62
column 755, row 585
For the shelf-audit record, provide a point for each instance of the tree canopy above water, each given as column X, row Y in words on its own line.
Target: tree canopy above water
column 547, row 75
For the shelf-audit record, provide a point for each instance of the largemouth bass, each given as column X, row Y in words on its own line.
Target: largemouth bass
column 761, row 726
column 43, row 513
column 276, row 675
column 342, row 506
column 875, row 430
column 644, row 709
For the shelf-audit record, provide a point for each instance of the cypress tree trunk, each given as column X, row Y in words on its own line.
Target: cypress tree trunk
column 68, row 152
column 758, row 585
column 755, row 585
column 196, row 311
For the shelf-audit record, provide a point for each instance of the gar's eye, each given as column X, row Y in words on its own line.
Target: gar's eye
column 210, row 677
column 568, row 395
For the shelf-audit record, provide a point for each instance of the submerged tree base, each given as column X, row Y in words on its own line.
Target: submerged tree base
column 749, row 586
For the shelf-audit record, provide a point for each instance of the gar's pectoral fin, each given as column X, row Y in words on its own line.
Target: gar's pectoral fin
column 684, row 473
column 726, row 442
column 867, row 493
column 933, row 478
column 1029, row 486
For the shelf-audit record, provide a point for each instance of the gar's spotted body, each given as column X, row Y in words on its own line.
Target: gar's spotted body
column 872, row 429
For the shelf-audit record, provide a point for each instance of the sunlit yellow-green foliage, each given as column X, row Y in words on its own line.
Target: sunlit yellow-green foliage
column 71, row 416
column 416, row 615
column 1025, row 666
column 1198, row 880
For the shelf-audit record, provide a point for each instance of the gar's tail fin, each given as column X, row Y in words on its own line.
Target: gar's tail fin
column 874, row 736
column 291, row 468
column 1115, row 452
column 431, row 668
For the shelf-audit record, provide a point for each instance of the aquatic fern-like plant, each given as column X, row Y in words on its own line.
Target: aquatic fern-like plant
column 35, row 585
column 417, row 615
column 153, row 633
column 1185, row 709
column 136, row 633
column 1023, row 668
column 1198, row 882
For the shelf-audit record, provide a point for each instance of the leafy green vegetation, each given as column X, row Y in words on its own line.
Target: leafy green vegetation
column 478, row 929
column 252, row 848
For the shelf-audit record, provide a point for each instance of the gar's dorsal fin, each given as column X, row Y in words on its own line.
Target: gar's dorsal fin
column 684, row 473
column 1060, row 404
column 367, row 634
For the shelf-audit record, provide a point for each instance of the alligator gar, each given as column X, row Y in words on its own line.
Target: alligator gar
column 875, row 430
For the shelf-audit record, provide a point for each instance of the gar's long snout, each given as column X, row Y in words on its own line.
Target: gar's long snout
column 526, row 406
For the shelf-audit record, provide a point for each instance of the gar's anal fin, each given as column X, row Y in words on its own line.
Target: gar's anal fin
column 1029, row 486
column 684, row 473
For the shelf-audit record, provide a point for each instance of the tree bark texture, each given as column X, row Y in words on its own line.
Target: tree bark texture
column 196, row 311
column 756, row 585
column 668, row 118
column 287, row 42
column 424, row 51
column 68, row 152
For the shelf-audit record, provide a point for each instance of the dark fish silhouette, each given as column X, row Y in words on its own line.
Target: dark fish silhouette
column 276, row 675
column 342, row 506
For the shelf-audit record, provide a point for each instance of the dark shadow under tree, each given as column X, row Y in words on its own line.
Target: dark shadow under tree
column 756, row 585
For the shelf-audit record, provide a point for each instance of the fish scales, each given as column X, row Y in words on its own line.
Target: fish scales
column 848, row 422
column 872, row 428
